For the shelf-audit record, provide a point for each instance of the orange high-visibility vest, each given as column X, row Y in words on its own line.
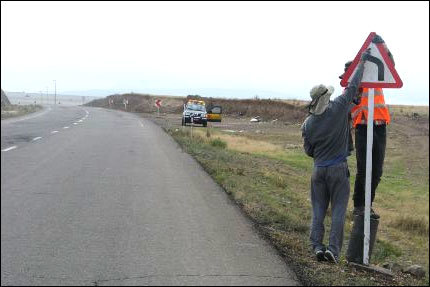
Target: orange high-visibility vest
column 359, row 112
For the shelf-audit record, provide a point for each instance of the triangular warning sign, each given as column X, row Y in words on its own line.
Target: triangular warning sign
column 379, row 71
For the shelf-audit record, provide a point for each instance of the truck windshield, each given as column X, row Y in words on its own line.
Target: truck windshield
column 195, row 107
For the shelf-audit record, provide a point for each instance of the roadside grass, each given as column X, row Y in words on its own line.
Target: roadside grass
column 384, row 250
column 271, row 184
column 18, row 110
column 218, row 143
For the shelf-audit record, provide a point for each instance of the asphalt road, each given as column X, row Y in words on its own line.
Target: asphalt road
column 112, row 200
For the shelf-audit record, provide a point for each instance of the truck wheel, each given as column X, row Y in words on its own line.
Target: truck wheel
column 205, row 124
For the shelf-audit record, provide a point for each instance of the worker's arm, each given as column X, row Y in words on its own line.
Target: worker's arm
column 309, row 149
column 351, row 91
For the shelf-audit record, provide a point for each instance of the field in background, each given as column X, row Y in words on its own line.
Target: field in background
column 18, row 110
column 264, row 169
column 267, row 109
column 22, row 98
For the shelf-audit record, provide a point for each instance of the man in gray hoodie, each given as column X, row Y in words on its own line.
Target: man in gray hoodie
column 326, row 139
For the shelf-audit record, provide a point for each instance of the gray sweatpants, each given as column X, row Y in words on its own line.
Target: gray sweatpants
column 329, row 184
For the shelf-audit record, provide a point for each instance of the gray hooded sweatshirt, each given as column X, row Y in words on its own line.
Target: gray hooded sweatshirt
column 326, row 135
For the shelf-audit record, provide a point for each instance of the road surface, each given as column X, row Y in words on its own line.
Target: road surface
column 100, row 197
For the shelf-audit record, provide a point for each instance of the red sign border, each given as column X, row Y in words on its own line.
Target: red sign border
column 398, row 82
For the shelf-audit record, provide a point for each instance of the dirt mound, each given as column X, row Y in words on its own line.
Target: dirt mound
column 266, row 109
column 4, row 100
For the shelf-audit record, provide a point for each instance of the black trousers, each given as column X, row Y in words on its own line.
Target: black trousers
column 378, row 155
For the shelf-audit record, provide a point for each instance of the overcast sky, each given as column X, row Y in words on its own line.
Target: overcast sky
column 260, row 46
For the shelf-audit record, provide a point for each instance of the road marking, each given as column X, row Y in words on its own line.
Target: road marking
column 141, row 124
column 75, row 123
column 36, row 139
column 65, row 127
column 54, row 132
column 9, row 148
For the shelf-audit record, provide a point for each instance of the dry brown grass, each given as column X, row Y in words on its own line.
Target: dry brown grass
column 417, row 225
column 243, row 144
column 409, row 110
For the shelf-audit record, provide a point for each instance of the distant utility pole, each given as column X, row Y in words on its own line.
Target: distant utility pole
column 55, row 95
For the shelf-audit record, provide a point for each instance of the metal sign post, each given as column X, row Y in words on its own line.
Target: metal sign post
column 158, row 105
column 368, row 187
column 125, row 104
column 192, row 122
column 379, row 73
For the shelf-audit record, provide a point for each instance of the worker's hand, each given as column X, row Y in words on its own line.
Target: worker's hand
column 365, row 55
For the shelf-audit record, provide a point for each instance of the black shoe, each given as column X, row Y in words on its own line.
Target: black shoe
column 330, row 257
column 320, row 255
column 360, row 211
column 373, row 214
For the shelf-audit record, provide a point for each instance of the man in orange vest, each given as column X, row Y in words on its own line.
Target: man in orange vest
column 381, row 118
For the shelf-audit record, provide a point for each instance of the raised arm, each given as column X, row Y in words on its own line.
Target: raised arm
column 351, row 90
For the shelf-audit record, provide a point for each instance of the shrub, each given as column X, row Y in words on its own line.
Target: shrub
column 218, row 143
column 384, row 250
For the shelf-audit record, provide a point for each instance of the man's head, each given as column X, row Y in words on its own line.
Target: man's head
column 320, row 96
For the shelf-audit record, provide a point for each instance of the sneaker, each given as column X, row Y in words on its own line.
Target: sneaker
column 320, row 255
column 330, row 257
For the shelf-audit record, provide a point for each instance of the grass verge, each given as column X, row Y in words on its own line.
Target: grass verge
column 271, row 185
